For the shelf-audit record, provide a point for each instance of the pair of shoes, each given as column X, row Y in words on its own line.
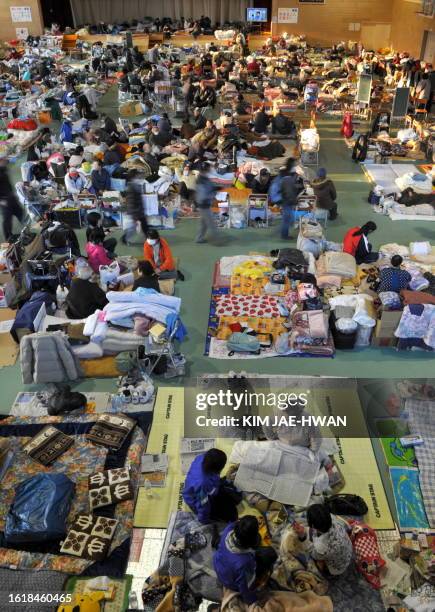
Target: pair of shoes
column 180, row 275
column 200, row 241
column 125, row 241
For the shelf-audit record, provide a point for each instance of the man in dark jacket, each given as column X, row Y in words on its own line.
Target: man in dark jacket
column 283, row 125
column 84, row 297
column 324, row 190
column 261, row 183
column 204, row 195
column 150, row 159
column 291, row 187
column 240, row 562
column 100, row 178
column 134, row 207
column 9, row 204
column 261, row 121
column 205, row 96
column 159, row 138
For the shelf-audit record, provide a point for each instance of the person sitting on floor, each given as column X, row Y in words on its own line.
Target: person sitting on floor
column 96, row 253
column 187, row 179
column 100, row 178
column 393, row 278
column 261, row 183
column 84, row 297
column 75, row 181
column 283, row 125
column 240, row 562
column 205, row 491
column 199, row 119
column 261, row 121
column 148, row 278
column 329, row 543
column 355, row 243
column 324, row 190
column 95, row 223
column 156, row 250
column 205, row 96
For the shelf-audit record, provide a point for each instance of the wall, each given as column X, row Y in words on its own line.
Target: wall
column 7, row 26
column 329, row 22
column 407, row 27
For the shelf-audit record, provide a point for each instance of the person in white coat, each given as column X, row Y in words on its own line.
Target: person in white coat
column 75, row 181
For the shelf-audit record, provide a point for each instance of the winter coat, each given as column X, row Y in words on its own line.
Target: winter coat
column 326, row 194
column 166, row 260
column 97, row 256
column 134, row 203
column 47, row 357
column 205, row 191
column 291, row 187
column 351, row 242
column 261, row 121
column 235, row 567
column 199, row 488
column 84, row 298
column 100, row 180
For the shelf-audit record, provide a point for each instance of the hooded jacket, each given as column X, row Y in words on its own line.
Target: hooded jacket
column 199, row 488
column 97, row 256
column 325, row 191
column 235, row 567
column 47, row 357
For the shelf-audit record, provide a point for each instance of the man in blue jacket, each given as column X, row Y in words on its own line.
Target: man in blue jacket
column 206, row 493
column 239, row 561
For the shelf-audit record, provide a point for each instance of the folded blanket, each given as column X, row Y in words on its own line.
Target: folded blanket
column 417, row 297
column 278, row 601
column 341, row 264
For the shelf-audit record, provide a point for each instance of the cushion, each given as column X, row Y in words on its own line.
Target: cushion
column 342, row 264
column 109, row 487
column 89, row 537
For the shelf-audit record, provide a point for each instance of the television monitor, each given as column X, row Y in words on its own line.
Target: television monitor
column 256, row 15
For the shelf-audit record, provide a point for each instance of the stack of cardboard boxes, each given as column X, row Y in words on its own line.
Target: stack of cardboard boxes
column 385, row 328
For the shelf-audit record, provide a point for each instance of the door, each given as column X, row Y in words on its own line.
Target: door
column 375, row 36
column 54, row 11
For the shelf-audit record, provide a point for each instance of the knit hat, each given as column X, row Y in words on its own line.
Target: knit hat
column 321, row 173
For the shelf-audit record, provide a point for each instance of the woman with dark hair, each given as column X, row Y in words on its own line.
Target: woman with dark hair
column 355, row 243
column 148, row 278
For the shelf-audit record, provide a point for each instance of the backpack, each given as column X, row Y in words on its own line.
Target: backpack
column 240, row 342
column 275, row 190
column 347, row 504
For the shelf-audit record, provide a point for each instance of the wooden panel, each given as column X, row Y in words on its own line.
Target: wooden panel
column 407, row 27
column 329, row 23
column 7, row 27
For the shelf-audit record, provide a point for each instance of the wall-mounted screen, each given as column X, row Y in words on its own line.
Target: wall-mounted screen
column 256, row 14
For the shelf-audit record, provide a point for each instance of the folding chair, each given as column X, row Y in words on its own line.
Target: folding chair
column 158, row 350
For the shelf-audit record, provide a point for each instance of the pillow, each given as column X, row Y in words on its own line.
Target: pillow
column 109, row 487
column 89, row 537
column 342, row 264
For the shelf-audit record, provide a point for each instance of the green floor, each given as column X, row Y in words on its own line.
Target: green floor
column 196, row 262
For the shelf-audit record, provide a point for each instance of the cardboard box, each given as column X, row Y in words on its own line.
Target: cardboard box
column 384, row 342
column 383, row 337
column 8, row 289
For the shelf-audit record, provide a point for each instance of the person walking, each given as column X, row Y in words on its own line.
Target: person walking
column 9, row 204
column 134, row 207
column 204, row 195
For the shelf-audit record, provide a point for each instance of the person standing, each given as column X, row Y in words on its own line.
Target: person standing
column 204, row 195
column 9, row 204
column 291, row 187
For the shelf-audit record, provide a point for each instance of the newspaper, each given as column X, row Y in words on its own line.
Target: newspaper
column 284, row 476
column 154, row 463
column 190, row 448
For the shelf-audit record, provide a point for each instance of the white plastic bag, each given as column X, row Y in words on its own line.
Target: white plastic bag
column 109, row 274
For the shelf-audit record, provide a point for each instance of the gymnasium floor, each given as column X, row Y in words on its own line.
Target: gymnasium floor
column 196, row 263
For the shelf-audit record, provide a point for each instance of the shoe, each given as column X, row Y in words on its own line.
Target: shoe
column 180, row 275
column 200, row 241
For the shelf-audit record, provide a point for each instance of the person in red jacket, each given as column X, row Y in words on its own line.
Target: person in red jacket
column 156, row 250
column 355, row 243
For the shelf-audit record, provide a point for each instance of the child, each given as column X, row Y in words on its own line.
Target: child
column 96, row 253
column 204, row 491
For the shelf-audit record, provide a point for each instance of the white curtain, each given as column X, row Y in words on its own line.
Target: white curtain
column 117, row 11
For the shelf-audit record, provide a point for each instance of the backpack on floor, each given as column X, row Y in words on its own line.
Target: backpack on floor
column 347, row 504
column 240, row 342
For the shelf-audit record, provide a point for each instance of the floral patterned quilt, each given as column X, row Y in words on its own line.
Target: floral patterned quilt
column 81, row 460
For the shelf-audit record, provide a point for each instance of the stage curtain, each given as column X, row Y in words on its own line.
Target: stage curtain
column 117, row 11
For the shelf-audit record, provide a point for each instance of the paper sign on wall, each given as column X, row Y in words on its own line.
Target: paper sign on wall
column 22, row 33
column 288, row 15
column 21, row 13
